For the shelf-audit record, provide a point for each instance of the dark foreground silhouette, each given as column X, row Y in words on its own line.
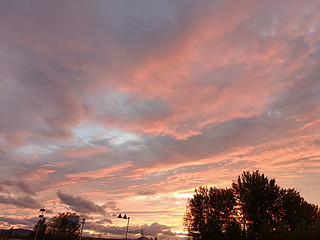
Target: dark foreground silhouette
column 254, row 208
column 59, row 228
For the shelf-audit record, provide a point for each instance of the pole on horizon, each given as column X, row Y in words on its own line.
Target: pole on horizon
column 127, row 228
column 41, row 216
column 82, row 228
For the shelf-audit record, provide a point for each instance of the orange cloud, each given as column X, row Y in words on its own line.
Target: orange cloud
column 101, row 173
column 39, row 174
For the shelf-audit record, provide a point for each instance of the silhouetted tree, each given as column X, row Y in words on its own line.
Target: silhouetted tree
column 295, row 210
column 256, row 208
column 267, row 208
column 292, row 210
column 211, row 214
column 61, row 228
column 259, row 201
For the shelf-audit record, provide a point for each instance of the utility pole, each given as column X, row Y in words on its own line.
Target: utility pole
column 127, row 227
column 41, row 216
column 82, row 228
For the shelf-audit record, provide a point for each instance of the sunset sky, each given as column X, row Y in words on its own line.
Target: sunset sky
column 111, row 107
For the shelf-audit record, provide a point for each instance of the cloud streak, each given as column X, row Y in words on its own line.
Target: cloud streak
column 22, row 202
column 22, row 186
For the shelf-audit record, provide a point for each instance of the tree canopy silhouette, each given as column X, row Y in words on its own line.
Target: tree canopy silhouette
column 211, row 213
column 62, row 228
column 254, row 208
column 59, row 228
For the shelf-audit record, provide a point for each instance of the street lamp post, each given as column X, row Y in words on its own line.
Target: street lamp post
column 125, row 217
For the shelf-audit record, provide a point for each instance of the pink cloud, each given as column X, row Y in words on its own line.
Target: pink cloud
column 84, row 153
column 101, row 173
column 39, row 174
column 176, row 74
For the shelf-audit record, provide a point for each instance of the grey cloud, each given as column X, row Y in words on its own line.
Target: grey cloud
column 50, row 211
column 155, row 229
column 146, row 192
column 22, row 186
column 81, row 205
column 29, row 222
column 112, row 205
column 43, row 86
column 149, row 230
column 148, row 212
column 23, row 202
column 111, row 230
column 51, row 110
column 106, row 220
column 236, row 133
column 303, row 96
column 169, row 233
column 213, row 140
column 144, row 24
column 150, row 151
column 127, row 110
column 47, row 82
column 49, row 79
